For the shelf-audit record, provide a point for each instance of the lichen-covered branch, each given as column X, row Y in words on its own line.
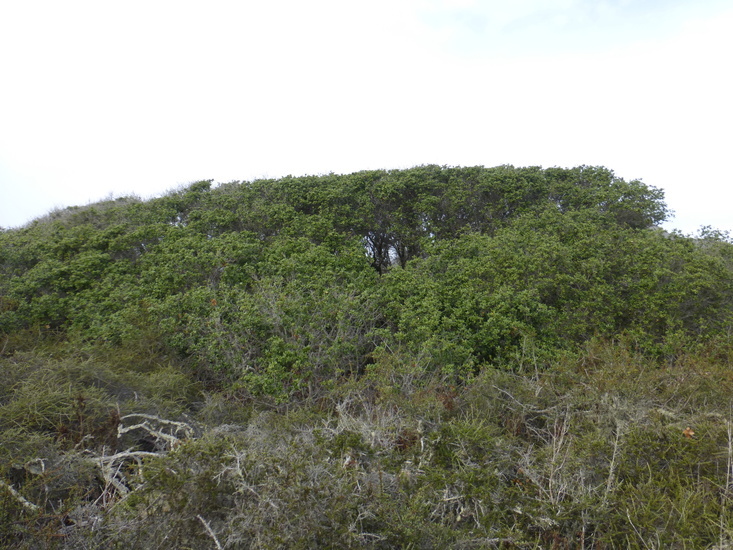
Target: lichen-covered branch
column 27, row 504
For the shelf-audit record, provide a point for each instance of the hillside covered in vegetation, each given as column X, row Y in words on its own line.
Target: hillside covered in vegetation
column 426, row 358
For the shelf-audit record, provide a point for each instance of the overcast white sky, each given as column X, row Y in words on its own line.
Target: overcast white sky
column 100, row 98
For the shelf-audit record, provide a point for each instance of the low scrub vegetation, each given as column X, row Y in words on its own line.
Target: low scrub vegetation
column 426, row 358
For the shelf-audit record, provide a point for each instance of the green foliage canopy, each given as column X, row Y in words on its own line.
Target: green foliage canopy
column 277, row 286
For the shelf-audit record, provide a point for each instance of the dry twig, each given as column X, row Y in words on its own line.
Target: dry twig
column 27, row 504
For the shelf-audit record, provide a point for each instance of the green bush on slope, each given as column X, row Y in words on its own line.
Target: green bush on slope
column 426, row 358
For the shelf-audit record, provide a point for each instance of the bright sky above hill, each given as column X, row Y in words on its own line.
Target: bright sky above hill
column 101, row 98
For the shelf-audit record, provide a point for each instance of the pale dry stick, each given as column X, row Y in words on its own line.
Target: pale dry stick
column 560, row 450
column 357, row 525
column 638, row 534
column 107, row 466
column 612, row 466
column 27, row 504
column 210, row 531
column 524, row 405
column 170, row 439
column 112, row 477
column 238, row 471
column 549, row 478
